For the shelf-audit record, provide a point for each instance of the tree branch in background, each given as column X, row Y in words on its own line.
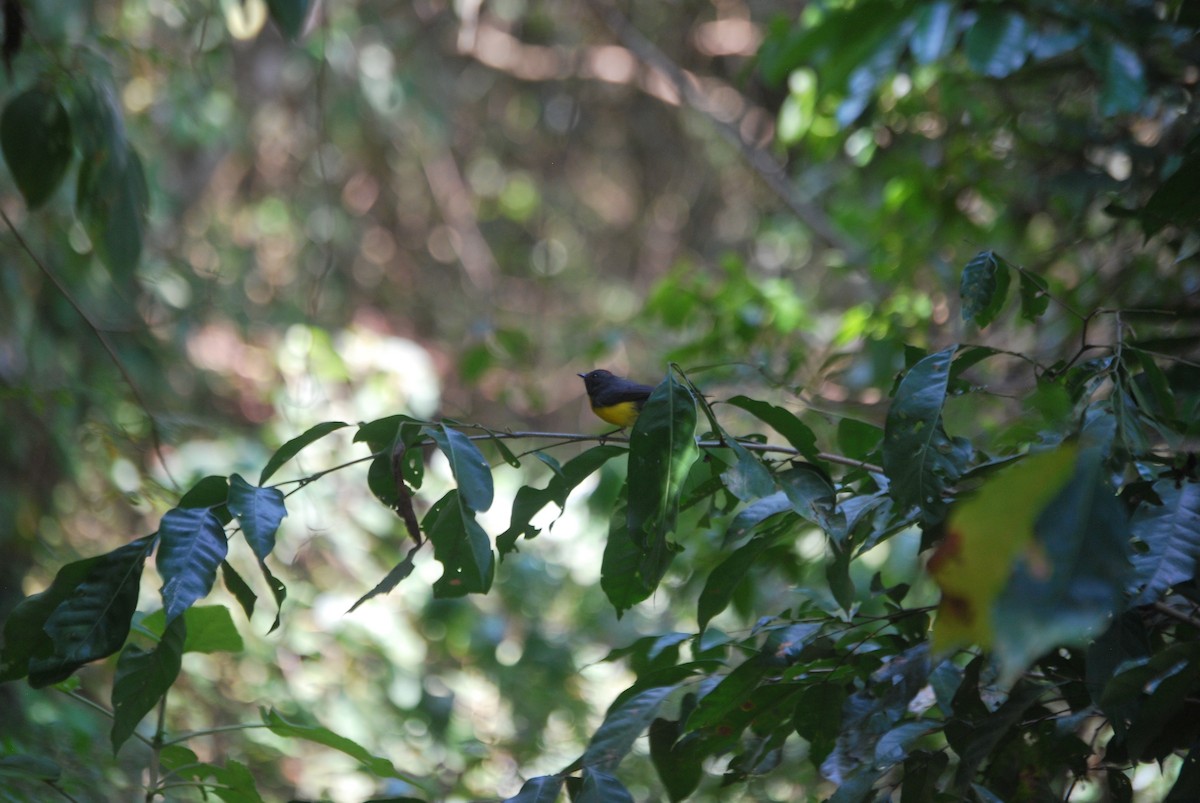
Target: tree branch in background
column 155, row 438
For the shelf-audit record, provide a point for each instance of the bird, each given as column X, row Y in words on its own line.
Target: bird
column 615, row 399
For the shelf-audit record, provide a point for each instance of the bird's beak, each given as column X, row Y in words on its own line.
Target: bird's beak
column 581, row 376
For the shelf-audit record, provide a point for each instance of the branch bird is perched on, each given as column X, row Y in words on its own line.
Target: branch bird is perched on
column 615, row 399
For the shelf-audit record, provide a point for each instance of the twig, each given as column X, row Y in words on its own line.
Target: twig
column 1175, row 613
column 104, row 341
column 767, row 167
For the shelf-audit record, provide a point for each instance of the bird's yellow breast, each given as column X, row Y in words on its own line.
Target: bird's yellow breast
column 622, row 414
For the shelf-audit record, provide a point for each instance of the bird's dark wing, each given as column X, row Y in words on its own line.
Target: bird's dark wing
column 622, row 390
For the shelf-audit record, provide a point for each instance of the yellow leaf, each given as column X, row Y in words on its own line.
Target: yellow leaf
column 985, row 535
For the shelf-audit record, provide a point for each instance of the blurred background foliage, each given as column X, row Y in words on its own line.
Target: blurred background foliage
column 450, row 209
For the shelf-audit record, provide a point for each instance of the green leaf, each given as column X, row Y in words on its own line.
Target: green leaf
column 755, row 514
column 208, row 492
column 984, row 288
column 398, row 572
column 112, row 201
column 530, row 501
column 747, row 479
column 278, row 591
column 783, row 421
column 932, row 37
column 998, row 43
column 1187, row 784
column 662, row 448
column 895, row 745
column 461, row 546
column 34, row 768
column 542, row 789
column 811, row 494
column 818, row 718
column 191, row 549
column 240, row 589
column 1175, row 202
column 35, row 137
column 726, row 577
column 919, row 458
column 1124, row 76
column 600, row 787
column 291, row 729
column 289, row 15
column 622, row 725
column 1035, row 297
column 984, row 734
column 629, row 572
column 1171, row 534
column 259, row 510
column 471, row 470
column 210, row 629
column 292, row 448
column 679, row 764
column 1070, row 581
column 83, row 616
column 142, row 679
column 727, row 695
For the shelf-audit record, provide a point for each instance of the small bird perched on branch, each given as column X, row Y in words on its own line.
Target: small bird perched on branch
column 615, row 399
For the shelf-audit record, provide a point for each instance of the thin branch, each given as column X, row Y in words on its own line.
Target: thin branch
column 762, row 162
column 104, row 341
column 1175, row 613
column 95, row 706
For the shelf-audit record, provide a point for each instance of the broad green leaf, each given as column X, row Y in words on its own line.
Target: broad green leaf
column 295, row 445
column 931, row 38
column 1035, row 298
column 143, row 678
column 192, row 546
column 895, row 745
column 984, row 734
column 1071, row 580
column 630, row 572
column 984, row 535
column 731, row 692
column 85, row 615
column 600, row 787
column 817, row 718
column 679, row 764
column 259, row 510
column 662, row 448
column 622, row 726
column 755, row 514
column 208, row 492
column 783, row 421
column 240, row 589
column 998, row 43
column 210, row 629
column 112, row 201
column 530, row 501
column 234, row 783
column 919, row 458
column 1124, row 76
column 292, row 729
column 811, row 494
column 34, row 768
column 542, row 789
column 1171, row 534
column 984, row 288
column 35, row 137
column 289, row 16
column 726, row 577
column 471, row 470
column 747, row 479
column 1175, row 202
column 461, row 546
column 650, row 653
